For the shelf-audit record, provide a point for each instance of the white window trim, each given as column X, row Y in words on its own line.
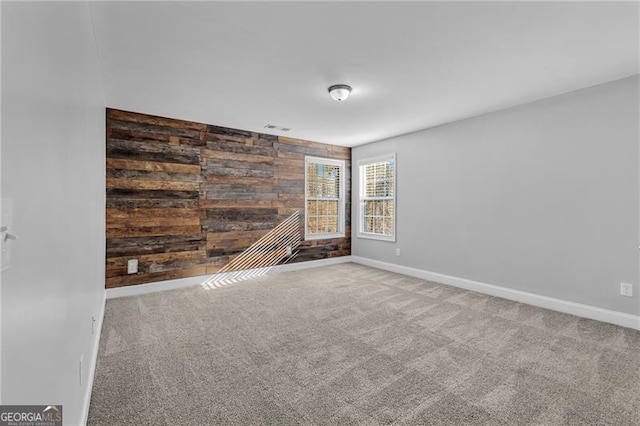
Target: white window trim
column 341, row 199
column 363, row 162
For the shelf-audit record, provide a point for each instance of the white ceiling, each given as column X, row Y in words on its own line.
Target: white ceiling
column 412, row 65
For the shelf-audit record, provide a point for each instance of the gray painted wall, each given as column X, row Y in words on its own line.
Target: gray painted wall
column 53, row 121
column 541, row 198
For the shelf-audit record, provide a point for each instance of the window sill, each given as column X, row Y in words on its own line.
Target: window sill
column 389, row 238
column 308, row 237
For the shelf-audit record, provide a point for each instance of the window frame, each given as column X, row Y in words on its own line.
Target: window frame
column 341, row 198
column 361, row 198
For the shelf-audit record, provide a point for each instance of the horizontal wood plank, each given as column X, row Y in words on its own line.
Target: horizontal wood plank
column 136, row 117
column 152, row 166
column 125, row 280
column 145, row 175
column 239, row 204
column 142, row 231
column 137, row 246
column 166, row 194
column 233, row 156
column 152, row 151
column 153, row 128
column 119, row 202
column 268, row 181
column 153, row 184
column 158, row 257
column 116, row 214
column 152, row 222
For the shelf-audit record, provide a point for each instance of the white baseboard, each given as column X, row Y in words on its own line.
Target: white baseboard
column 93, row 362
column 560, row 305
column 134, row 290
column 578, row 309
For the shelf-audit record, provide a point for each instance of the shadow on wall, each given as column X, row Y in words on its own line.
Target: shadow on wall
column 278, row 246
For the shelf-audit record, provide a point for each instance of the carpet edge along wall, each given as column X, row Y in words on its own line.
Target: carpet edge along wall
column 186, row 198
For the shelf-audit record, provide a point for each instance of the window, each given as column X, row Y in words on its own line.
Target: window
column 324, row 198
column 377, row 198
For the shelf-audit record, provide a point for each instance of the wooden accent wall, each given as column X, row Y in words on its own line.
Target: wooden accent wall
column 185, row 198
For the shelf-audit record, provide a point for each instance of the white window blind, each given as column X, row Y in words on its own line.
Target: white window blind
column 377, row 198
column 324, row 198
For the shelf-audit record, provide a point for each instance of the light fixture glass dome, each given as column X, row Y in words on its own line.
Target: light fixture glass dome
column 339, row 92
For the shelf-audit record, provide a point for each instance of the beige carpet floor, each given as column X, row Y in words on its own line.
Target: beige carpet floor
column 349, row 344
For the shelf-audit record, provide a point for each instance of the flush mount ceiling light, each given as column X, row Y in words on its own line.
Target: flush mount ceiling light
column 339, row 92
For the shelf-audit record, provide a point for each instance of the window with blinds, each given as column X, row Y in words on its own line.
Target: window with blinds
column 377, row 198
column 324, row 198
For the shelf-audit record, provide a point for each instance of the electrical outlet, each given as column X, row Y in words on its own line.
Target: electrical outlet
column 289, row 250
column 626, row 289
column 397, row 252
column 132, row 266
